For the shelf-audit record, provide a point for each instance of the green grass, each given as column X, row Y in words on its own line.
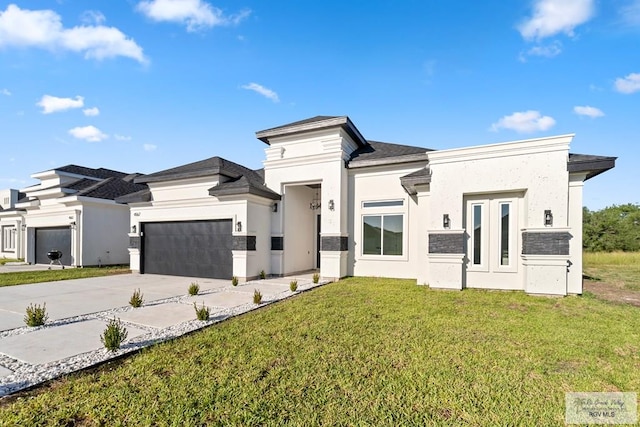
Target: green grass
column 25, row 277
column 618, row 268
column 363, row 351
column 3, row 261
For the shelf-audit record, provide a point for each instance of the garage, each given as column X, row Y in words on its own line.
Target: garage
column 188, row 248
column 53, row 238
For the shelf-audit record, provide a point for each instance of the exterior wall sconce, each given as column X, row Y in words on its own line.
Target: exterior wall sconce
column 72, row 224
column 238, row 226
column 134, row 229
column 23, row 227
column 274, row 208
column 332, row 205
column 548, row 218
column 446, row 221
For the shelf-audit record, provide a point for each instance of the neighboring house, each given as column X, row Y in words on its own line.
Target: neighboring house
column 500, row 216
column 73, row 210
column 10, row 225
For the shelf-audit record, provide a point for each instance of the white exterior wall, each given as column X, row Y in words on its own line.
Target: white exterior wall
column 12, row 222
column 382, row 184
column 103, row 232
column 536, row 169
column 259, row 224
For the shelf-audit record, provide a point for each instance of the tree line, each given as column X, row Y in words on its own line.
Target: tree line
column 614, row 228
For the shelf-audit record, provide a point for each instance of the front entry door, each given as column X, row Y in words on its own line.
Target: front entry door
column 492, row 245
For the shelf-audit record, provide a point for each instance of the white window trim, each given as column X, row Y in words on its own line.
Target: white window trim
column 402, row 210
column 9, row 236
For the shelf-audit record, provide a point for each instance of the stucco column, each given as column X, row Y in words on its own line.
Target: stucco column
column 574, row 277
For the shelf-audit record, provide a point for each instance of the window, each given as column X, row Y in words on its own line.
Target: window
column 383, row 204
column 504, row 233
column 382, row 234
column 8, row 238
column 477, row 234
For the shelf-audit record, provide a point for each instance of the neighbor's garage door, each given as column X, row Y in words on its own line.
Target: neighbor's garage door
column 54, row 238
column 188, row 248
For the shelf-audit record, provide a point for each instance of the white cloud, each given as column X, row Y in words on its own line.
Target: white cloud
column 548, row 51
column 195, row 14
column 631, row 13
column 90, row 17
column 5, row 92
column 524, row 122
column 266, row 92
column 588, row 111
column 149, row 147
column 53, row 104
column 43, row 29
column 93, row 111
column 628, row 84
column 551, row 17
column 122, row 137
column 88, row 133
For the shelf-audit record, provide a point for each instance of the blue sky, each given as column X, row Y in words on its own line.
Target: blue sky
column 140, row 86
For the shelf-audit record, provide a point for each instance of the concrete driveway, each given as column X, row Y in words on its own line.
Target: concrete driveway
column 79, row 310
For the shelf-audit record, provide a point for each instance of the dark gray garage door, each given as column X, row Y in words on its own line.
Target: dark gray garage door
column 48, row 239
column 188, row 248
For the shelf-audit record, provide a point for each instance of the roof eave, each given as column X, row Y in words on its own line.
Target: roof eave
column 343, row 121
column 593, row 167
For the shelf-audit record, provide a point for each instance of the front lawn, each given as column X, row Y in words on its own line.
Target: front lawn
column 363, row 351
column 25, row 277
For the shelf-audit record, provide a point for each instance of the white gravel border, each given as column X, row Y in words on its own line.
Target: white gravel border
column 26, row 375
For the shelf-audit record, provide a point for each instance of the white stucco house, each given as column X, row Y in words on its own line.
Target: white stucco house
column 10, row 225
column 72, row 209
column 500, row 216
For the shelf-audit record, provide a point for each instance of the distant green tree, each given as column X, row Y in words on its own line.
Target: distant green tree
column 614, row 228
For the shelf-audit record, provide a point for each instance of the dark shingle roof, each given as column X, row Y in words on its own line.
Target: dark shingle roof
column 593, row 165
column 301, row 122
column 419, row 177
column 111, row 189
column 246, row 184
column 137, row 197
column 376, row 153
column 212, row 166
column 312, row 124
column 100, row 173
column 241, row 180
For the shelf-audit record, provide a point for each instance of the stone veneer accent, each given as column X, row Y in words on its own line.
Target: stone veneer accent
column 446, row 243
column 277, row 243
column 244, row 243
column 545, row 243
column 334, row 243
column 134, row 242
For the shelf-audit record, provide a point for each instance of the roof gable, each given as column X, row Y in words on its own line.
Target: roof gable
column 314, row 124
column 208, row 167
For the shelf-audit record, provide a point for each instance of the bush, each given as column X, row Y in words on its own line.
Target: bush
column 257, row 297
column 263, row 275
column 202, row 313
column 234, row 281
column 136, row 299
column 194, row 288
column 316, row 277
column 115, row 334
column 36, row 315
column 293, row 285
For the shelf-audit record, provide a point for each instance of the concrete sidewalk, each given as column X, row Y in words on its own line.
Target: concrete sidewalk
column 80, row 309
